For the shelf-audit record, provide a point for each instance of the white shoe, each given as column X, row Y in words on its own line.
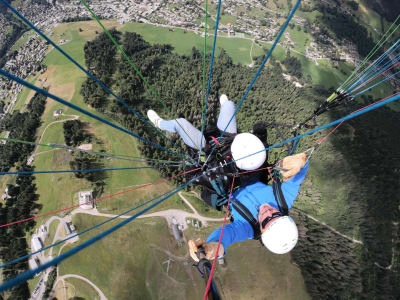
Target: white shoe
column 223, row 99
column 154, row 118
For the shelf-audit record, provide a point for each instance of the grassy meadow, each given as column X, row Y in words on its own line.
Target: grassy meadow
column 134, row 258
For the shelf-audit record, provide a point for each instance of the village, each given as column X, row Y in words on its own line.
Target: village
column 262, row 27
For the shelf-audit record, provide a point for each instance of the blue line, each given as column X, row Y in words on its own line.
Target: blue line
column 84, row 171
column 210, row 74
column 80, row 233
column 87, row 72
column 259, row 70
column 47, row 94
column 381, row 70
column 376, row 84
column 377, row 62
column 29, row 274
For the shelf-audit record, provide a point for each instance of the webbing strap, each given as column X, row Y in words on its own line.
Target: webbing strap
column 247, row 215
column 279, row 197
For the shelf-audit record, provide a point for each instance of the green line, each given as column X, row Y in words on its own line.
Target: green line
column 373, row 51
column 155, row 94
column 63, row 147
column 204, row 66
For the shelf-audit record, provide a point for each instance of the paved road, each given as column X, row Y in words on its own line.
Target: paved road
column 61, row 278
column 168, row 214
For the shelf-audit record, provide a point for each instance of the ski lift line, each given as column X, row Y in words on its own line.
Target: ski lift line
column 104, row 154
column 375, row 65
column 290, row 16
column 85, row 170
column 372, row 79
column 131, row 63
column 376, row 84
column 210, row 72
column 31, row 273
column 88, row 73
column 73, row 106
column 204, row 73
column 321, row 140
column 81, row 233
column 219, row 242
column 373, row 51
column 99, row 199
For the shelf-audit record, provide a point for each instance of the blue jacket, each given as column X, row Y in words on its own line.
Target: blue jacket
column 253, row 196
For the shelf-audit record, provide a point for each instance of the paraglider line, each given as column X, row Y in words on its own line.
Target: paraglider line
column 210, row 72
column 260, row 69
column 219, row 243
column 155, row 94
column 103, row 154
column 84, row 170
column 99, row 199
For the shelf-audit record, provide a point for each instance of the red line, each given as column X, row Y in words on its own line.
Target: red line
column 99, row 199
column 219, row 243
column 321, row 140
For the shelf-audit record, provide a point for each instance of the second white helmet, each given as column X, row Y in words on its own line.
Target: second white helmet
column 281, row 236
column 247, row 151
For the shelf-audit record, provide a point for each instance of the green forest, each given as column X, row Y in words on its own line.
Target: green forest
column 361, row 157
column 21, row 201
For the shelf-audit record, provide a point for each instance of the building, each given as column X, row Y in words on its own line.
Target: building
column 37, row 244
column 5, row 136
column 57, row 113
column 86, row 200
column 5, row 195
column 69, row 228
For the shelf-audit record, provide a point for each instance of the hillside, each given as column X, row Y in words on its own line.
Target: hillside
column 347, row 211
column 336, row 264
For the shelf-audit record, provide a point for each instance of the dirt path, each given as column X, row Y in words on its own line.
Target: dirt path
column 74, row 117
column 102, row 296
column 330, row 228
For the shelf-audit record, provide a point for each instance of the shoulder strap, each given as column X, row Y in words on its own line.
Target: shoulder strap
column 279, row 198
column 246, row 214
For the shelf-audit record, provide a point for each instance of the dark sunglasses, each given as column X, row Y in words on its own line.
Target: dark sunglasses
column 267, row 219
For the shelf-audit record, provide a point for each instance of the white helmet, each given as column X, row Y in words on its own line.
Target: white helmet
column 281, row 236
column 245, row 144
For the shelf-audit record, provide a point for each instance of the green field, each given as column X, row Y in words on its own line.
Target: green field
column 237, row 48
column 141, row 273
column 201, row 207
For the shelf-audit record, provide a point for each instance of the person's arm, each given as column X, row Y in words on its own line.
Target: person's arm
column 290, row 188
column 237, row 231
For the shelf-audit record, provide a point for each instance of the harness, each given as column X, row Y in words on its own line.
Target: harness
column 248, row 216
